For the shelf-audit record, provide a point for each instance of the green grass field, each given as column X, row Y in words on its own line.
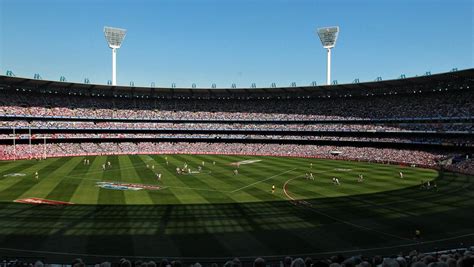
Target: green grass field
column 214, row 213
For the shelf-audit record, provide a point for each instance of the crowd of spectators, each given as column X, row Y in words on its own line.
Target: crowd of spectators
column 451, row 258
column 138, row 136
column 195, row 126
column 386, row 155
column 436, row 104
column 464, row 166
column 51, row 124
column 439, row 104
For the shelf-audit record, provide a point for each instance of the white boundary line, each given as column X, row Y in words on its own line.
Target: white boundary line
column 286, row 183
column 226, row 191
column 238, row 189
column 311, row 208
column 284, row 186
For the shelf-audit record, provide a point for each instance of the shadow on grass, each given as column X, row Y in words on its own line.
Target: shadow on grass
column 376, row 223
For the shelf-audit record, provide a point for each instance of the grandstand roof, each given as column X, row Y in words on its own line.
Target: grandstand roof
column 354, row 87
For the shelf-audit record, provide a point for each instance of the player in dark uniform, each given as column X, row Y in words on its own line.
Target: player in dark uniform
column 417, row 234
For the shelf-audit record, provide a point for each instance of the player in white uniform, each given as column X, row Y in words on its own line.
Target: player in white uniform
column 401, row 175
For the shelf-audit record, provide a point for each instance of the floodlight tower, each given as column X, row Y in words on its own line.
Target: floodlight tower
column 328, row 36
column 114, row 37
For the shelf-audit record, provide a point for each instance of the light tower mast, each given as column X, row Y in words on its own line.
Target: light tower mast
column 328, row 36
column 115, row 38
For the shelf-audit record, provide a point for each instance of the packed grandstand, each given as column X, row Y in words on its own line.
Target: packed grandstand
column 426, row 121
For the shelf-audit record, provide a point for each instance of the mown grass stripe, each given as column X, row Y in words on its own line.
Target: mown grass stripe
column 148, row 176
column 14, row 166
column 87, row 191
column 47, row 182
column 112, row 174
column 263, row 174
column 221, row 178
column 176, row 186
column 28, row 168
column 192, row 181
column 131, row 176
column 65, row 188
column 14, row 188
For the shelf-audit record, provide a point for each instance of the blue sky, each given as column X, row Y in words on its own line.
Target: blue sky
column 234, row 41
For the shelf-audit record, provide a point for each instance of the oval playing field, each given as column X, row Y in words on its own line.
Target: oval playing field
column 85, row 208
column 146, row 179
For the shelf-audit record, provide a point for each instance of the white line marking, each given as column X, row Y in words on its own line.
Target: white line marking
column 199, row 189
column 284, row 187
column 236, row 190
column 311, row 208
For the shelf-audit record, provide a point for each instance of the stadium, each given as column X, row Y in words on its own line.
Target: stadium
column 346, row 174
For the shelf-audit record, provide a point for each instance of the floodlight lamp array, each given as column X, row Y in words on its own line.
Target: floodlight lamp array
column 328, row 36
column 114, row 36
